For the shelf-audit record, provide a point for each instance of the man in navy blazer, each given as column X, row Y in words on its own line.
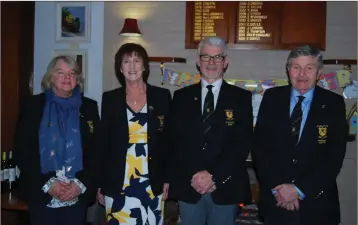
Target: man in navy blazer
column 211, row 128
column 299, row 146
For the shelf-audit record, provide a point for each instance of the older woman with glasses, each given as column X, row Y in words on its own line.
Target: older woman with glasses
column 54, row 147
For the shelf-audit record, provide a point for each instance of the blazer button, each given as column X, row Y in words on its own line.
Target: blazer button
column 293, row 181
column 204, row 147
column 294, row 161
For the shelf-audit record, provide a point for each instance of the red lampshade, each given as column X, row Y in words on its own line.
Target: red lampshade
column 130, row 28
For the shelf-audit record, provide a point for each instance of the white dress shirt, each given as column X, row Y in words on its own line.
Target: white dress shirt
column 216, row 89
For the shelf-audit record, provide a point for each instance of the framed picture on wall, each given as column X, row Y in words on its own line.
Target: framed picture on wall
column 80, row 56
column 73, row 22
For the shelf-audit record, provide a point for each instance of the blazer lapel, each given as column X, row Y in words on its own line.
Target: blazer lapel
column 286, row 117
column 83, row 123
column 120, row 119
column 196, row 101
column 151, row 105
column 220, row 104
column 311, row 117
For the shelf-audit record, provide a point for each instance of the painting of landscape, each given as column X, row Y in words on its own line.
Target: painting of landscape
column 73, row 21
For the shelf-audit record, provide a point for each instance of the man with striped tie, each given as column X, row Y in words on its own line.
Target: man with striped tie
column 299, row 146
column 211, row 126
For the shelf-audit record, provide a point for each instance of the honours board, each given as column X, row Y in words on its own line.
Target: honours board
column 257, row 25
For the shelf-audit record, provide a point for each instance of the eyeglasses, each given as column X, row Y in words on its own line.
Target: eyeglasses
column 63, row 74
column 216, row 58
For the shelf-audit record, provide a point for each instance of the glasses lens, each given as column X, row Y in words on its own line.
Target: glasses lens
column 216, row 58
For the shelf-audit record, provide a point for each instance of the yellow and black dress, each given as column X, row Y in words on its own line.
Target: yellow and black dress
column 137, row 204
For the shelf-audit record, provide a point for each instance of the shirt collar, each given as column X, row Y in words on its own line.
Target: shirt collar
column 308, row 95
column 217, row 84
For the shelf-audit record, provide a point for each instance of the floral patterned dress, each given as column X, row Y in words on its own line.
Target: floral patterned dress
column 137, row 204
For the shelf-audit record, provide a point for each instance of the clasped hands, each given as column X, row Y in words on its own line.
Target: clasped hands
column 64, row 191
column 287, row 197
column 202, row 182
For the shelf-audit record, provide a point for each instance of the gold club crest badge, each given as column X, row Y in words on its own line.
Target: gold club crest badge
column 322, row 133
column 229, row 117
column 90, row 125
column 161, row 122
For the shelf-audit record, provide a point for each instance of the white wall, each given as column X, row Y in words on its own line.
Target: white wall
column 45, row 24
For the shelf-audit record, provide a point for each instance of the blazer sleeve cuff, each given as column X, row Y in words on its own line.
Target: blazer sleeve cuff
column 48, row 185
column 81, row 185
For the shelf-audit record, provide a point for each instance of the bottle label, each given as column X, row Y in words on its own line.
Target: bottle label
column 12, row 174
column 1, row 175
column 17, row 172
column 6, row 174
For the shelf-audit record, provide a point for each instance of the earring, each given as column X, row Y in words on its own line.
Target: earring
column 143, row 69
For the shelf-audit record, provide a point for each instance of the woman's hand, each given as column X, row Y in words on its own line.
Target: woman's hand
column 165, row 191
column 100, row 197
column 72, row 192
column 58, row 189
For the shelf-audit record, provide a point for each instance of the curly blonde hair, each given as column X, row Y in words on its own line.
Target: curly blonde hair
column 71, row 62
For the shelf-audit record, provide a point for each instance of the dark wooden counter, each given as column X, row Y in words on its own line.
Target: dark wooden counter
column 11, row 201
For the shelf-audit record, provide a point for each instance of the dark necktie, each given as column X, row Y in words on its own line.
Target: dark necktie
column 296, row 119
column 208, row 103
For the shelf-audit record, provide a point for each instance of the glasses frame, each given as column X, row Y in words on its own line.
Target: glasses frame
column 63, row 75
column 216, row 58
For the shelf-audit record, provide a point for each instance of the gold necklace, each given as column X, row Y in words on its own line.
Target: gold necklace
column 134, row 101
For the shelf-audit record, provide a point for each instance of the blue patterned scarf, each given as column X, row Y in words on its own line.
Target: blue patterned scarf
column 59, row 135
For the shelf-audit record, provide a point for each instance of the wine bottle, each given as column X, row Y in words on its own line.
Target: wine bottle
column 12, row 172
column 5, row 172
column 2, row 167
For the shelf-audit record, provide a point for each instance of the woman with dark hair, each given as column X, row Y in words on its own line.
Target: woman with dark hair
column 133, row 141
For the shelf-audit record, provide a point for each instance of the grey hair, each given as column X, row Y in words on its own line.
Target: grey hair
column 71, row 62
column 305, row 50
column 213, row 41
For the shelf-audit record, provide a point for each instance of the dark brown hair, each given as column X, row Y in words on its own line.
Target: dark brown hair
column 129, row 49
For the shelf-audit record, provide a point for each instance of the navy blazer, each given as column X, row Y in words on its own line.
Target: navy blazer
column 27, row 157
column 113, row 139
column 312, row 165
column 222, row 152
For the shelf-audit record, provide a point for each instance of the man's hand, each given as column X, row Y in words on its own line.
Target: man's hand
column 165, row 191
column 202, row 182
column 287, row 197
column 291, row 206
column 72, row 192
column 213, row 188
column 100, row 197
column 287, row 192
column 58, row 188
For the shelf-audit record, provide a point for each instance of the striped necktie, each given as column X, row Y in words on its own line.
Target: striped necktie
column 208, row 109
column 208, row 103
column 296, row 119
